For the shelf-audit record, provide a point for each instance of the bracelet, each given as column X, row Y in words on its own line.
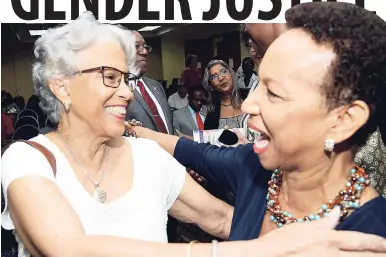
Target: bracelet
column 214, row 248
column 188, row 252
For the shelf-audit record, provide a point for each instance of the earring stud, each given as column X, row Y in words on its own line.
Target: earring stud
column 67, row 106
column 329, row 145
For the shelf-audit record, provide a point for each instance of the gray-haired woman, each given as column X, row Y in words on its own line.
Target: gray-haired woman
column 106, row 198
column 224, row 96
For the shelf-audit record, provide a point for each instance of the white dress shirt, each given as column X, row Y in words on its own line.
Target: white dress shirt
column 160, row 111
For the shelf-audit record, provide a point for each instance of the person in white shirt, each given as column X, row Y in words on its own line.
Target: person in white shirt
column 179, row 99
column 248, row 77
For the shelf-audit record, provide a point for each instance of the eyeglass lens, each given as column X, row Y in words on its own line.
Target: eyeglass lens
column 112, row 78
column 222, row 73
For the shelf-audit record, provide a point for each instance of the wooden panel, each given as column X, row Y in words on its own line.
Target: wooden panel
column 202, row 48
column 228, row 48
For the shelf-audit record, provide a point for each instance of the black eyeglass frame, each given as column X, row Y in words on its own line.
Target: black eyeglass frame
column 127, row 76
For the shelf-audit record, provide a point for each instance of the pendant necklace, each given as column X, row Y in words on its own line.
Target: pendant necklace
column 100, row 195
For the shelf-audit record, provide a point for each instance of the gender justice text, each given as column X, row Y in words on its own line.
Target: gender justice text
column 143, row 9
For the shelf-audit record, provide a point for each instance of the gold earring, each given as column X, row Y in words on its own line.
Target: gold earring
column 67, row 106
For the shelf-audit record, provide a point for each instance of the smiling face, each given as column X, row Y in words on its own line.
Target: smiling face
column 95, row 107
column 221, row 79
column 289, row 106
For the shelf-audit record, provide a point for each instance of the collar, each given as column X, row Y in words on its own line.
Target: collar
column 192, row 111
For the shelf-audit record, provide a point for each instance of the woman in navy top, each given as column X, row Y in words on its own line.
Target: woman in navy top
column 321, row 84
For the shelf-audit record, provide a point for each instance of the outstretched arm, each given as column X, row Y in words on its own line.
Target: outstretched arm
column 220, row 165
column 195, row 205
column 43, row 235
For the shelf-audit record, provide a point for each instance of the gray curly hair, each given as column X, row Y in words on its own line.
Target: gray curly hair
column 56, row 55
column 235, row 97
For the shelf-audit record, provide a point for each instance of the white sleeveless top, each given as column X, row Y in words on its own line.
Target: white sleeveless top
column 140, row 214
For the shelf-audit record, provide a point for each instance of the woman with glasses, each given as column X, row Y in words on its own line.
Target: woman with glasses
column 94, row 192
column 224, row 96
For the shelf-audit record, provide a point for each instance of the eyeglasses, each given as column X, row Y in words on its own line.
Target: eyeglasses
column 112, row 77
column 144, row 46
column 216, row 77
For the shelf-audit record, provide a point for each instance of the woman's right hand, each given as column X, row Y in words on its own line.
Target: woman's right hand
column 319, row 238
column 139, row 130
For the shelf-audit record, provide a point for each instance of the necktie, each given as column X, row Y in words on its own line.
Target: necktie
column 200, row 124
column 153, row 108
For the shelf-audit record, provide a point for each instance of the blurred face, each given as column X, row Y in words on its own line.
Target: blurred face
column 288, row 106
column 248, row 66
column 96, row 107
column 194, row 62
column 253, row 54
column 196, row 100
column 182, row 92
column 263, row 34
column 142, row 52
column 221, row 79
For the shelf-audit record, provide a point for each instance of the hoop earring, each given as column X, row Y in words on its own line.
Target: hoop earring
column 329, row 145
column 67, row 106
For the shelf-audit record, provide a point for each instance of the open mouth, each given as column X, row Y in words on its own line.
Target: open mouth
column 260, row 140
column 225, row 84
column 118, row 112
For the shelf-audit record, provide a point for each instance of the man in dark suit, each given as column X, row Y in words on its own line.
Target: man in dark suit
column 190, row 118
column 150, row 105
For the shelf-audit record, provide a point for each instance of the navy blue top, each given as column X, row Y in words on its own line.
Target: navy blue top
column 239, row 170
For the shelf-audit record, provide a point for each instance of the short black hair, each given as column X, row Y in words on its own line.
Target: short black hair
column 358, row 38
column 195, row 88
column 189, row 59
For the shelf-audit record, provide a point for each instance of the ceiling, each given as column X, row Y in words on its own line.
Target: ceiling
column 17, row 36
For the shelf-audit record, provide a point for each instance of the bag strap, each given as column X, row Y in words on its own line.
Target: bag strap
column 49, row 156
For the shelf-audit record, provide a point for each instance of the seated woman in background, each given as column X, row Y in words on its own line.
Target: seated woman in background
column 106, row 198
column 224, row 109
column 316, row 103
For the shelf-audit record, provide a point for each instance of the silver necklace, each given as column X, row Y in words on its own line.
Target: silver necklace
column 99, row 194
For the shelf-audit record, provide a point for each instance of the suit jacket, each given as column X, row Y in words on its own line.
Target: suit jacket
column 140, row 111
column 184, row 122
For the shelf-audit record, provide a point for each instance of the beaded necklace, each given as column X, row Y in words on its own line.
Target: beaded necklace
column 347, row 199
